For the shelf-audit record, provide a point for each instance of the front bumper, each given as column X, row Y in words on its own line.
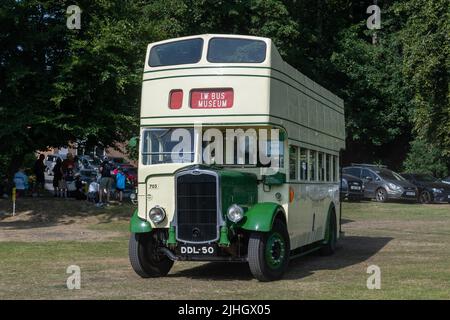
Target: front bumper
column 176, row 256
column 402, row 195
column 441, row 197
column 352, row 195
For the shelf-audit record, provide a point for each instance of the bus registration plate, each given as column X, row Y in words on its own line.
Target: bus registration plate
column 212, row 98
column 197, row 250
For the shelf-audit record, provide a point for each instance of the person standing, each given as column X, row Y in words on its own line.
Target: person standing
column 106, row 182
column 120, row 183
column 21, row 182
column 58, row 185
column 79, row 194
column 93, row 192
column 68, row 169
column 39, row 169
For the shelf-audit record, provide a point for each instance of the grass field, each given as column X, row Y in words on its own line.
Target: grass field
column 409, row 242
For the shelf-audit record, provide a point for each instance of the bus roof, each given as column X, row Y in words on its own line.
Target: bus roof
column 237, row 80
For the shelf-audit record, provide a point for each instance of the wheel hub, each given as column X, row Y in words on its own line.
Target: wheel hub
column 275, row 250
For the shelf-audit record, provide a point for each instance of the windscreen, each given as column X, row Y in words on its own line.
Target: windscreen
column 177, row 52
column 391, row 175
column 232, row 50
column 167, row 145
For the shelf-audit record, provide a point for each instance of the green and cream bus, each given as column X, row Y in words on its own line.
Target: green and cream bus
column 239, row 158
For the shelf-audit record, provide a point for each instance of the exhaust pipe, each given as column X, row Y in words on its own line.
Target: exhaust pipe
column 168, row 253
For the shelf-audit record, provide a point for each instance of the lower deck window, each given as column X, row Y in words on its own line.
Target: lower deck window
column 167, row 145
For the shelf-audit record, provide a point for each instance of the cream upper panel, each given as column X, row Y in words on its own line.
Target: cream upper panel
column 250, row 83
column 250, row 89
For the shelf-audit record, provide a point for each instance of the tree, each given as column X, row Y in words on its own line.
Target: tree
column 377, row 97
column 426, row 67
column 425, row 158
column 32, row 45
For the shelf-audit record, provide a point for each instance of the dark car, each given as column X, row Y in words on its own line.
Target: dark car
column 352, row 188
column 382, row 184
column 430, row 188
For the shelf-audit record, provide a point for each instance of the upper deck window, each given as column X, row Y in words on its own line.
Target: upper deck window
column 232, row 50
column 177, row 52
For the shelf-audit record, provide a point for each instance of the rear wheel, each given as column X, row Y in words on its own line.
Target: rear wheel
column 144, row 257
column 268, row 252
column 425, row 197
column 381, row 195
column 330, row 247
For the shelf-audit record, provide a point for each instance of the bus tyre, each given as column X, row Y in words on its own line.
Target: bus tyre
column 381, row 195
column 330, row 247
column 145, row 259
column 268, row 252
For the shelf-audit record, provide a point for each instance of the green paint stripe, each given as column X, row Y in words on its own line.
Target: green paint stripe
column 246, row 75
column 248, row 67
column 245, row 115
column 233, row 123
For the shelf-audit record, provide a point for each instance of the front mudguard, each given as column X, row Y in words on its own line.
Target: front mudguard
column 261, row 216
column 138, row 225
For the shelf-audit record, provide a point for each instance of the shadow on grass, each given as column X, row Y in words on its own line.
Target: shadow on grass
column 344, row 221
column 47, row 212
column 352, row 250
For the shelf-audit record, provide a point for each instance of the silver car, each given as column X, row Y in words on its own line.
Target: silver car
column 382, row 184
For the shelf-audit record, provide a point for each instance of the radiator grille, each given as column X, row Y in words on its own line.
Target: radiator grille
column 196, row 207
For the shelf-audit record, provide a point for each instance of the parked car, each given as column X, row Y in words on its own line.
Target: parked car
column 117, row 161
column 446, row 180
column 50, row 161
column 382, row 184
column 131, row 174
column 87, row 162
column 86, row 175
column 430, row 188
column 352, row 188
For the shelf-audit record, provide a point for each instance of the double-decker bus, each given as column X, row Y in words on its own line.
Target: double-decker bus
column 239, row 158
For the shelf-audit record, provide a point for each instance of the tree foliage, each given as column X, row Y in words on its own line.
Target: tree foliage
column 59, row 85
column 425, row 158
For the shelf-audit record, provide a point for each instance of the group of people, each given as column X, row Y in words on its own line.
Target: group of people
column 63, row 172
column 22, row 181
column 66, row 172
column 109, row 178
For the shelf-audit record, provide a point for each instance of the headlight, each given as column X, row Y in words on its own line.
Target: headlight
column 133, row 196
column 393, row 186
column 157, row 214
column 235, row 213
column 436, row 190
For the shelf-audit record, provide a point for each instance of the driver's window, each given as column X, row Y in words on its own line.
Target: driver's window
column 367, row 175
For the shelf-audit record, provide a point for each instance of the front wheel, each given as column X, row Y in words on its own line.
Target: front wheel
column 381, row 195
column 425, row 197
column 268, row 252
column 145, row 260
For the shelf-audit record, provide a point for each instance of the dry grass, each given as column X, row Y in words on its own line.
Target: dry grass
column 410, row 243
